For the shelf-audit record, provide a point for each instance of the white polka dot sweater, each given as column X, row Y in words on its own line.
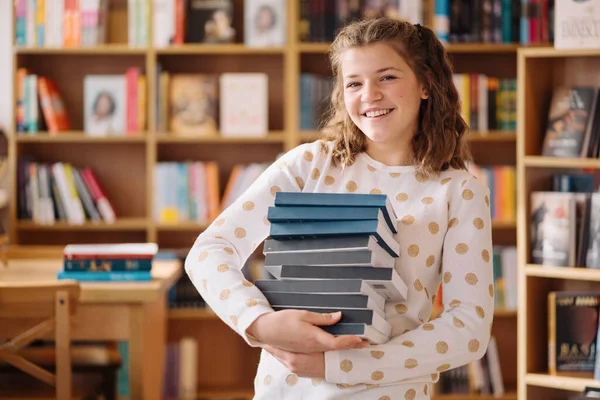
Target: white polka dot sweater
column 444, row 236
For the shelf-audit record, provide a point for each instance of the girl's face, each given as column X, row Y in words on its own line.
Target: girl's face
column 381, row 93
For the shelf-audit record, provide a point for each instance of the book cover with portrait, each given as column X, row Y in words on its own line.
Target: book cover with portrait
column 570, row 121
column 105, row 105
column 209, row 21
column 193, row 102
column 264, row 23
column 572, row 331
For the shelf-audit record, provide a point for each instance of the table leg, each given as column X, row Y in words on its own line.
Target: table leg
column 147, row 349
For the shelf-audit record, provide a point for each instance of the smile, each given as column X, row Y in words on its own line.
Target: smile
column 377, row 113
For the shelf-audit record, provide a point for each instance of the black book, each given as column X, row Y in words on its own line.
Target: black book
column 362, row 330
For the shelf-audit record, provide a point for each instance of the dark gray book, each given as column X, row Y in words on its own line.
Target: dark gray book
column 323, row 229
column 362, row 330
column 361, row 258
column 339, row 301
column 328, row 213
column 384, row 281
column 325, row 286
column 327, row 244
column 350, row 316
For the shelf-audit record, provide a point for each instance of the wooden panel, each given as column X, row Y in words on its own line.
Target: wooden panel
column 534, row 392
column 505, row 332
column 70, row 79
column 317, row 63
column 223, row 361
column 174, row 239
column 493, row 153
column 117, row 21
column 272, row 65
column 120, row 169
column 537, row 79
column 495, row 65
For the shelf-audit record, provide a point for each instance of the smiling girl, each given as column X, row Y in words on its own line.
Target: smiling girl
column 395, row 128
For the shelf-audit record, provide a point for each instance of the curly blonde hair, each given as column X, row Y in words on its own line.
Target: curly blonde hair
column 440, row 141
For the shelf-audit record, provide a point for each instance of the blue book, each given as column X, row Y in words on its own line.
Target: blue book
column 107, row 264
column 320, row 229
column 294, row 199
column 106, row 276
column 318, row 213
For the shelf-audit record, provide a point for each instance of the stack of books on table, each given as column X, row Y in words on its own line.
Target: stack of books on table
column 108, row 262
column 334, row 252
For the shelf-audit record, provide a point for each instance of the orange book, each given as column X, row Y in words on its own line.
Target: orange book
column 21, row 74
column 233, row 178
column 212, row 189
column 52, row 106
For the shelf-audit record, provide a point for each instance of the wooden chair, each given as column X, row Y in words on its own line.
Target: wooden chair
column 54, row 303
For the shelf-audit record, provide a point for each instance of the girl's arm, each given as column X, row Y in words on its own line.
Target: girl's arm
column 462, row 332
column 215, row 261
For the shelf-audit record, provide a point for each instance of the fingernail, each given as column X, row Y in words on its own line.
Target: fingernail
column 335, row 314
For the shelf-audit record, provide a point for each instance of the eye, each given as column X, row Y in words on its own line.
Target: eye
column 388, row 78
column 352, row 85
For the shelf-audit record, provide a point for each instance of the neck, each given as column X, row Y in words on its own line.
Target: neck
column 391, row 155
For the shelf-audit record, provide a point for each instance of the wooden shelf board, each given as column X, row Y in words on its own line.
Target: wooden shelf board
column 560, row 382
column 229, row 48
column 573, row 273
column 129, row 224
column 482, row 47
column 549, row 51
column 192, row 313
column 505, row 312
column 507, row 396
column 271, row 137
column 117, row 49
column 504, row 224
column 182, row 226
column 557, row 162
column 77, row 137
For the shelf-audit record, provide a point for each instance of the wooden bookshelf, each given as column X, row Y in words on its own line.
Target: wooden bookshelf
column 125, row 165
column 540, row 71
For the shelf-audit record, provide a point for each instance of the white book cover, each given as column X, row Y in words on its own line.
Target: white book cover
column 265, row 23
column 577, row 24
column 105, row 103
column 244, row 104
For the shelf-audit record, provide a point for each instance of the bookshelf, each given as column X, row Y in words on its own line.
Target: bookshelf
column 125, row 165
column 540, row 70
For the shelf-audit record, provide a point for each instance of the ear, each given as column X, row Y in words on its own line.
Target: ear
column 424, row 93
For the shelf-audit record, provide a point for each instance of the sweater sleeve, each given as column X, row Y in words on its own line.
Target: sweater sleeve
column 214, row 263
column 461, row 334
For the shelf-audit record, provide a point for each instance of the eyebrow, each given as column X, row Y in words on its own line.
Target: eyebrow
column 380, row 70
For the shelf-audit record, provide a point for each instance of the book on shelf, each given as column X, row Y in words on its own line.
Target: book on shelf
column 574, row 23
column 239, row 117
column 191, row 104
column 564, row 229
column 573, row 125
column 76, row 24
column 114, row 105
column 330, row 264
column 61, row 192
column 186, row 191
column 108, row 262
column 205, row 21
column 265, row 23
column 572, row 332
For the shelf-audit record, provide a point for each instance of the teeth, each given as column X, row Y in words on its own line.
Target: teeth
column 372, row 114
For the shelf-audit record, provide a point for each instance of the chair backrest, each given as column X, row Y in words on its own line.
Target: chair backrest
column 36, row 299
column 52, row 302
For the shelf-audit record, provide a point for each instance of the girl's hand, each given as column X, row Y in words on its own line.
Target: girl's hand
column 310, row 365
column 296, row 331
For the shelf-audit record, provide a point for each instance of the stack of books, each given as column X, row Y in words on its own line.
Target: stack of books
column 108, row 262
column 334, row 252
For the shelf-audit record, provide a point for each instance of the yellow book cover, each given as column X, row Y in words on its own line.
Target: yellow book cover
column 193, row 105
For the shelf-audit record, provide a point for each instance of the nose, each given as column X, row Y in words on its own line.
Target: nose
column 370, row 93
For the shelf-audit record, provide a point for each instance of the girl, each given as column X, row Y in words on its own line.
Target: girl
column 395, row 128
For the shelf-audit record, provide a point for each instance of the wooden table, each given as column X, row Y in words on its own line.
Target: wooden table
column 122, row 311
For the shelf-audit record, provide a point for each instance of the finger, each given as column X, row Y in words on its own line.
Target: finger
column 322, row 318
column 347, row 342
